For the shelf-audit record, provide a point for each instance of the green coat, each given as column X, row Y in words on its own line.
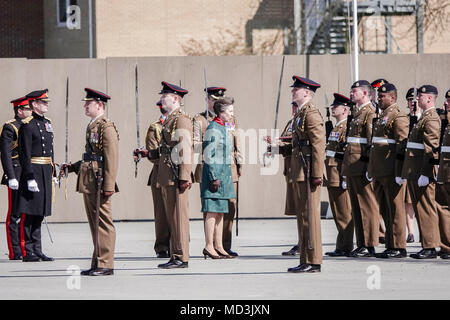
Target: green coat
column 217, row 148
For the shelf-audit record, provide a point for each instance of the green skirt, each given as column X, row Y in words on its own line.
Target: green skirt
column 215, row 205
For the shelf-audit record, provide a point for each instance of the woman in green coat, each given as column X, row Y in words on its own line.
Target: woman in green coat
column 217, row 183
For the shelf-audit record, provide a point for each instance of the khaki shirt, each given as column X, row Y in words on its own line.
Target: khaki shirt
column 308, row 126
column 422, row 147
column 102, row 139
column 360, row 129
column 334, row 154
column 152, row 142
column 390, row 135
column 176, row 134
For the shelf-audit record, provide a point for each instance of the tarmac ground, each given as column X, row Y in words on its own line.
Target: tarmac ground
column 259, row 273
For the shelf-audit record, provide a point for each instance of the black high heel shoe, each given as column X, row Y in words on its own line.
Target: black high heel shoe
column 206, row 253
column 225, row 256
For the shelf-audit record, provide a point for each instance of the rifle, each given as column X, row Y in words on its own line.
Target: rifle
column 307, row 167
column 444, row 122
column 138, row 156
column 413, row 117
column 328, row 123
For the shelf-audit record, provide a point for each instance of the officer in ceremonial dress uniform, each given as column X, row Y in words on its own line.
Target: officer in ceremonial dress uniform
column 307, row 168
column 443, row 186
column 152, row 144
column 419, row 170
column 174, row 174
column 389, row 138
column 9, row 134
column 200, row 123
column 365, row 209
column 36, row 185
column 97, row 173
column 337, row 189
column 285, row 149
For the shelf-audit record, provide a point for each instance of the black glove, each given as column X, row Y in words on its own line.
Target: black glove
column 214, row 186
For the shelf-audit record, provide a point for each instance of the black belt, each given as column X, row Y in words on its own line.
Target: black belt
column 301, row 143
column 92, row 157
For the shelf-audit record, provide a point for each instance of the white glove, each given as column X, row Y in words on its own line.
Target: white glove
column 13, row 184
column 56, row 181
column 399, row 180
column 423, row 181
column 32, row 186
column 367, row 177
column 344, row 185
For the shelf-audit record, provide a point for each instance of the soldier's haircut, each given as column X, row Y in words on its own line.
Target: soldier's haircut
column 222, row 104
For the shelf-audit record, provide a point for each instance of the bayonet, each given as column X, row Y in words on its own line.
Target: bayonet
column 138, row 157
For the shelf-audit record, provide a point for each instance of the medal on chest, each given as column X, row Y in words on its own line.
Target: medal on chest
column 48, row 127
column 94, row 137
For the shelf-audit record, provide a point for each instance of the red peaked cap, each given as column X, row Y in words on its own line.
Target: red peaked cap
column 21, row 102
column 340, row 99
column 300, row 82
column 38, row 95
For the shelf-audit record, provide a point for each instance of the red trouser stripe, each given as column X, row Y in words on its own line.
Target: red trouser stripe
column 22, row 235
column 8, row 220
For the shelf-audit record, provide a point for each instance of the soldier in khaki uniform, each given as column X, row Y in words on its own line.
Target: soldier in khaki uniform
column 337, row 190
column 308, row 143
column 365, row 209
column 199, row 127
column 418, row 169
column 443, row 187
column 414, row 114
column 174, row 174
column 102, row 152
column 390, row 134
column 151, row 151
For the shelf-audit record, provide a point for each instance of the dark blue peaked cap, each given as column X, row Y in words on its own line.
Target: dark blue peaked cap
column 300, row 82
column 171, row 88
column 96, row 95
column 340, row 99
column 427, row 88
column 216, row 92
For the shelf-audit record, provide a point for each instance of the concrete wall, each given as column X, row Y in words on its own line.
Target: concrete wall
column 252, row 81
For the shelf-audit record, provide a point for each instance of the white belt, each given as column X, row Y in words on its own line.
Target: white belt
column 330, row 153
column 332, row 139
column 383, row 140
column 445, row 149
column 415, row 145
column 357, row 140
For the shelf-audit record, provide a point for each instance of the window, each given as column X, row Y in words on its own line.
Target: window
column 61, row 8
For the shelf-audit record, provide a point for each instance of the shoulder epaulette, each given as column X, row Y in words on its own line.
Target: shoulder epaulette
column 27, row 120
column 50, row 120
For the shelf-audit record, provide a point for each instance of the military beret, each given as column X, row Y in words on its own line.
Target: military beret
column 410, row 94
column 171, row 88
column 361, row 83
column 340, row 99
column 95, row 95
column 38, row 95
column 216, row 92
column 447, row 94
column 387, row 87
column 294, row 104
column 21, row 102
column 378, row 83
column 427, row 88
column 300, row 82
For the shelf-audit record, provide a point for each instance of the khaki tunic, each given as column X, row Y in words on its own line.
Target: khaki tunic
column 443, row 192
column 422, row 148
column 286, row 141
column 102, row 139
column 176, row 140
column 387, row 151
column 338, row 197
column 365, row 209
column 308, row 126
column 162, row 233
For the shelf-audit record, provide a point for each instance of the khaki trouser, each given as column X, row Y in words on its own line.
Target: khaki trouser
column 392, row 196
column 442, row 195
column 106, row 230
column 342, row 214
column 178, row 221
column 228, row 220
column 307, row 255
column 162, row 233
column 425, row 207
column 365, row 211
